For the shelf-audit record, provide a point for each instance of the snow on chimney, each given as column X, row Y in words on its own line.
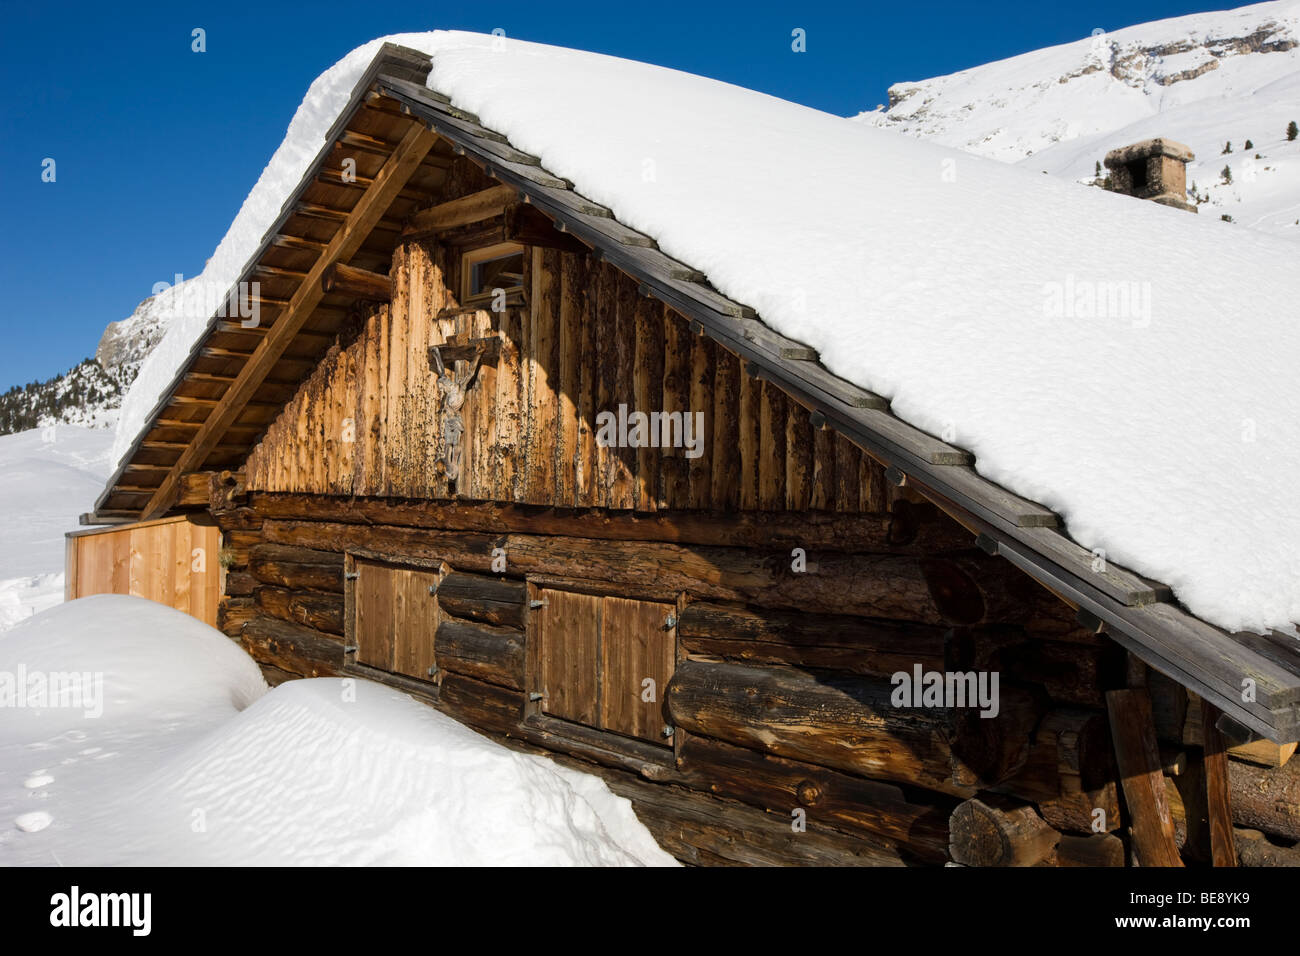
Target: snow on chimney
column 1154, row 169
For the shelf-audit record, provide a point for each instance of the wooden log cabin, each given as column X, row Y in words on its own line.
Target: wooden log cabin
column 405, row 460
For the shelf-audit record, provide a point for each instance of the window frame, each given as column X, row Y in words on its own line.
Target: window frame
column 469, row 258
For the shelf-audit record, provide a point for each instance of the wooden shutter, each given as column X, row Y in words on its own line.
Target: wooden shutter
column 569, row 631
column 396, row 618
column 635, row 645
column 596, row 654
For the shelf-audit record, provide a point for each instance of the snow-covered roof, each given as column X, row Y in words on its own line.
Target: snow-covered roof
column 1132, row 367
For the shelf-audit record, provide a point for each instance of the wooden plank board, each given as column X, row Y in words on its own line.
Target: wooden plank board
column 181, row 564
column 647, row 373
column 572, row 307
column 635, row 648
column 699, row 469
column 847, row 474
column 416, row 619
column 1221, row 661
column 509, row 423
column 586, row 479
column 772, row 448
column 567, row 629
column 1138, row 759
column 374, row 625
column 543, row 381
column 607, row 384
column 798, row 458
column 1218, row 802
column 823, row 476
column 483, row 409
column 1019, row 511
column 676, row 398
column 749, row 422
column 723, row 430
column 622, row 486
column 1124, row 586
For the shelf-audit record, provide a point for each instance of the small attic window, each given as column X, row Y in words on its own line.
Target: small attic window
column 483, row 271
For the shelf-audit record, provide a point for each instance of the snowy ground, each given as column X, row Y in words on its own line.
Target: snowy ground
column 171, row 751
column 48, row 477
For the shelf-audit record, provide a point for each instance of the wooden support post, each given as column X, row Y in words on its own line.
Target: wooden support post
column 1138, row 758
column 484, row 204
column 1217, row 798
column 341, row 279
column 529, row 226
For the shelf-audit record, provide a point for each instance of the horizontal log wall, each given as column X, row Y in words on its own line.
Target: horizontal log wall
column 781, row 699
column 370, row 419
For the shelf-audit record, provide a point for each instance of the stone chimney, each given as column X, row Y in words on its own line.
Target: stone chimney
column 1154, row 169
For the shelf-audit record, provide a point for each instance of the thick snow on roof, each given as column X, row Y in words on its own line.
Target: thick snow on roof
column 167, row 749
column 1130, row 366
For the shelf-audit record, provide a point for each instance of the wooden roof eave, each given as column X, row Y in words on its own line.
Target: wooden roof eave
column 394, row 61
column 1138, row 614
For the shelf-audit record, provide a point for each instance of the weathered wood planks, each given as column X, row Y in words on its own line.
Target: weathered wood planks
column 371, row 419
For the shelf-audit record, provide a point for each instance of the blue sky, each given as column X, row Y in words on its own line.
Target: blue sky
column 156, row 146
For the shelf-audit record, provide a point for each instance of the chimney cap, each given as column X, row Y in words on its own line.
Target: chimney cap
column 1147, row 149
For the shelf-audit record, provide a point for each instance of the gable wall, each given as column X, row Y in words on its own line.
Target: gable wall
column 369, row 420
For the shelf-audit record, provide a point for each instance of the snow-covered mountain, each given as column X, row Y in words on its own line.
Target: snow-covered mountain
column 1205, row 80
column 90, row 394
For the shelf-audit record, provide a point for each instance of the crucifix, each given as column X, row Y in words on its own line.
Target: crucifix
column 457, row 364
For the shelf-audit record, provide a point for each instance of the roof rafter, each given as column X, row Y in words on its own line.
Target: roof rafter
column 367, row 213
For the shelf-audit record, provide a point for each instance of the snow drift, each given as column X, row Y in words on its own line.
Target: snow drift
column 982, row 300
column 169, row 750
column 47, row 477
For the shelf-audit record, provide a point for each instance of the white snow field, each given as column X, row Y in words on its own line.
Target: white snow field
column 48, row 476
column 1129, row 365
column 168, row 749
column 1204, row 80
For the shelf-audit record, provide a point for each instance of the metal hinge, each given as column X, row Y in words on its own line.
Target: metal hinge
column 351, row 575
column 536, row 604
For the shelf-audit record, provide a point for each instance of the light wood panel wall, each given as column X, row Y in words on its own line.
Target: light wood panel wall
column 174, row 561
